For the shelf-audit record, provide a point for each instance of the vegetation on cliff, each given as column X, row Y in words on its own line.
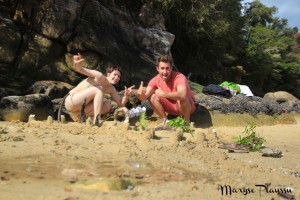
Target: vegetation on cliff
column 213, row 39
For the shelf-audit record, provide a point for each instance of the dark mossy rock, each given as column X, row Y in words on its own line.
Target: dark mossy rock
column 54, row 89
column 20, row 107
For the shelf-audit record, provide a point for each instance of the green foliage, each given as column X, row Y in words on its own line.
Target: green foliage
column 206, row 32
column 179, row 122
column 142, row 124
column 252, row 139
column 258, row 13
column 269, row 43
column 212, row 36
column 143, row 121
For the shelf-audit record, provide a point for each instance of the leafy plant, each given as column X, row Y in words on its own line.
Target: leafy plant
column 252, row 138
column 143, row 121
column 179, row 122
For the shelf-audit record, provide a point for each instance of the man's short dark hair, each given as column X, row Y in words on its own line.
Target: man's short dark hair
column 164, row 58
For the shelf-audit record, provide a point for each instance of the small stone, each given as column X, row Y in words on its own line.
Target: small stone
column 275, row 153
column 73, row 180
column 17, row 138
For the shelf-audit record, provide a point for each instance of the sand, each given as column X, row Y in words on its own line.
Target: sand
column 39, row 160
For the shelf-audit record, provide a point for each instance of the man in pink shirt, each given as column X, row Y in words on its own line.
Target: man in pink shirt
column 168, row 92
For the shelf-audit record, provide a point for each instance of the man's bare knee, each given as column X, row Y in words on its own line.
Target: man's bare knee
column 153, row 98
column 184, row 101
column 184, row 104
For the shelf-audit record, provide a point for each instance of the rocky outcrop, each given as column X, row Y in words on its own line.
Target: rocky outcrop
column 20, row 107
column 281, row 97
column 53, row 89
column 49, row 98
column 242, row 104
column 38, row 39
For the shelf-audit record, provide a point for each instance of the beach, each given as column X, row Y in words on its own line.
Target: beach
column 42, row 160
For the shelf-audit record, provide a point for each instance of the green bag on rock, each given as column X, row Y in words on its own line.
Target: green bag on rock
column 231, row 86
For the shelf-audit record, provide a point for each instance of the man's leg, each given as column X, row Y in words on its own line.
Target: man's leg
column 186, row 108
column 157, row 106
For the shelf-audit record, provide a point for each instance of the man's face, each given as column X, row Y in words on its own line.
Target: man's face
column 164, row 70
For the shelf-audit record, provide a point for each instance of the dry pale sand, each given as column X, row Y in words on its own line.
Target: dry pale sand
column 75, row 161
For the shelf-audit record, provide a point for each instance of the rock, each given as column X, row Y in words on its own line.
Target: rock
column 282, row 97
column 243, row 104
column 104, row 32
column 54, row 89
column 6, row 91
column 11, row 43
column 20, row 107
column 275, row 153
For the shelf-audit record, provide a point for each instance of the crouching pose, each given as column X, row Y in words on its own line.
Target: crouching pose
column 168, row 92
column 92, row 89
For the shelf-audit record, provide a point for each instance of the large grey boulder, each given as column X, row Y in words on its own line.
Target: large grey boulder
column 10, row 40
column 281, row 97
column 243, row 104
column 53, row 89
column 39, row 38
column 20, row 107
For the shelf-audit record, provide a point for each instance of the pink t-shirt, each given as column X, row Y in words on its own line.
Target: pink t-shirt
column 176, row 80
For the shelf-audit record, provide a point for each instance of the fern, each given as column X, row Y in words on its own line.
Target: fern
column 143, row 122
column 252, row 138
column 179, row 122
